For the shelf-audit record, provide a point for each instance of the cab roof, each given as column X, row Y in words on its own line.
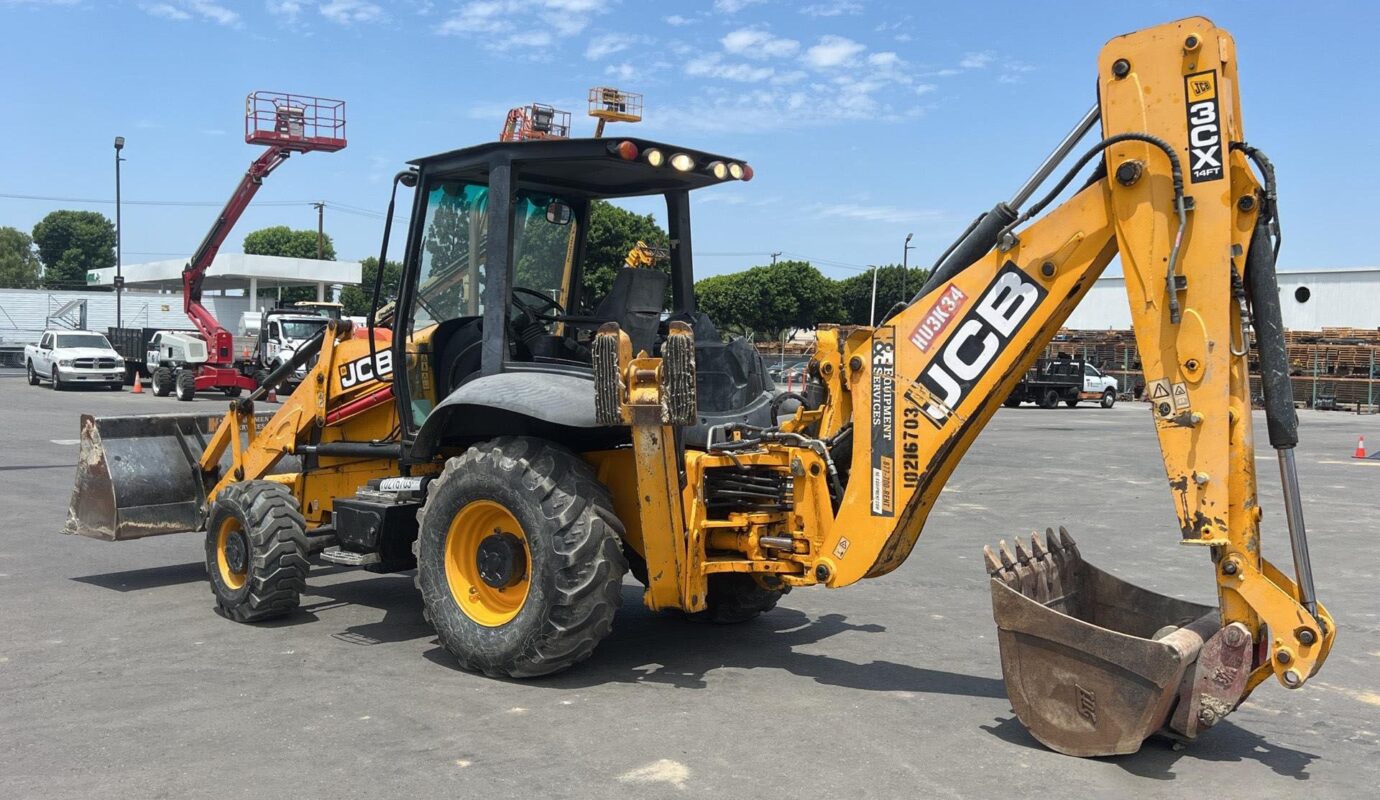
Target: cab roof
column 586, row 167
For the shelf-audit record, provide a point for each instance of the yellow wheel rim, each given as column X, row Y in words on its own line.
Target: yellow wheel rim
column 480, row 526
column 232, row 578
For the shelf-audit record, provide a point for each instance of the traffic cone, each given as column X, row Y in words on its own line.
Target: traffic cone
column 1360, row 448
column 138, row 384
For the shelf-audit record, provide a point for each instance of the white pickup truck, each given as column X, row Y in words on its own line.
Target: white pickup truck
column 71, row 357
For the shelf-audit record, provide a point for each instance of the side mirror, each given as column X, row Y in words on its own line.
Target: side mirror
column 558, row 213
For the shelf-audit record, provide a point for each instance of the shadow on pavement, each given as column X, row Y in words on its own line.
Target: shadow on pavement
column 1156, row 758
column 133, row 580
column 673, row 650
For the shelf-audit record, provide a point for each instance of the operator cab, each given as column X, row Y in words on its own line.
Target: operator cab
column 500, row 309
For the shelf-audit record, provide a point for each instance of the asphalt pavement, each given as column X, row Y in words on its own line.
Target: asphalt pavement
column 118, row 681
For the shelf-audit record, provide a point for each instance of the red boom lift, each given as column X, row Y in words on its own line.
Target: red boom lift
column 285, row 124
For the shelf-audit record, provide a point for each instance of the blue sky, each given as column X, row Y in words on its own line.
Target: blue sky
column 864, row 120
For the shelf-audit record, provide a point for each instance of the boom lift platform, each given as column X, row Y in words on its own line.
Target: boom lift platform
column 284, row 124
column 524, row 449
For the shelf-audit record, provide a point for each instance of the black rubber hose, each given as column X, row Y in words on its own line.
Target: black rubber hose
column 975, row 243
column 1281, row 420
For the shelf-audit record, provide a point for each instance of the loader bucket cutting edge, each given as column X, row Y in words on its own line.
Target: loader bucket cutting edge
column 1094, row 665
column 139, row 476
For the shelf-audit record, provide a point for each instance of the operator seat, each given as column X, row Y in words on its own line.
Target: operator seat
column 635, row 303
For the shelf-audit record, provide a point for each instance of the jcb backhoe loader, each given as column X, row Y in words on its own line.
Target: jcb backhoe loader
column 523, row 445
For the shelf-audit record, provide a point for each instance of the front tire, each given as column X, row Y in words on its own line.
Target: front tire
column 186, row 386
column 162, row 382
column 1072, row 402
column 519, row 558
column 256, row 551
column 1108, row 398
column 58, row 385
column 33, row 376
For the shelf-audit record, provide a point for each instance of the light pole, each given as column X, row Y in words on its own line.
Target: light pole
column 872, row 320
column 905, row 266
column 119, row 229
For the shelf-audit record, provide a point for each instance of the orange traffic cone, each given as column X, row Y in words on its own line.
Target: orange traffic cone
column 1360, row 448
column 138, row 384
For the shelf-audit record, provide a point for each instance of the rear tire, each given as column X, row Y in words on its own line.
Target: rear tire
column 33, row 376
column 543, row 508
column 1108, row 398
column 1011, row 402
column 186, row 386
column 1049, row 399
column 1071, row 402
column 232, row 391
column 735, row 597
column 162, row 382
column 256, row 551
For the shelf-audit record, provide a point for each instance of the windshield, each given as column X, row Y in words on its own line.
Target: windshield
column 297, row 330
column 82, row 340
column 453, row 260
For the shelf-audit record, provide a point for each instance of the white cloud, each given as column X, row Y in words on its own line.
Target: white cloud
column 734, row 6
column 677, row 20
column 606, row 45
column 348, row 12
column 887, row 59
column 288, row 9
column 833, row 51
column 523, row 21
column 712, row 65
column 182, row 10
column 835, row 8
column 871, row 213
column 976, row 60
column 756, row 43
column 622, row 72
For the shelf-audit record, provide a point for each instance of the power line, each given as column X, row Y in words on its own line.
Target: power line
column 186, row 203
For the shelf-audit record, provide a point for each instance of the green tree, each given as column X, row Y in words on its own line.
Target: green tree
column 71, row 244
column 855, row 292
column 280, row 240
column 770, row 301
column 356, row 299
column 613, row 231
column 19, row 264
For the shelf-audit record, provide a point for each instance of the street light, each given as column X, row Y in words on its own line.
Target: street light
column 872, row 320
column 905, row 266
column 119, row 229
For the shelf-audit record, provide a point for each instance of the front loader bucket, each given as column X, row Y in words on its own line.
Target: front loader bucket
column 139, row 476
column 1094, row 665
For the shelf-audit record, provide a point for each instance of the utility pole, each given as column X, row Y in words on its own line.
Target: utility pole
column 119, row 229
column 320, row 230
column 905, row 266
column 872, row 320
column 773, row 257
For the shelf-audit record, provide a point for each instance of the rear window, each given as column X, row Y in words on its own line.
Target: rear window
column 82, row 340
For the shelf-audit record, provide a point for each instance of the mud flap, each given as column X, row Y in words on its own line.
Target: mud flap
column 139, row 476
column 1094, row 665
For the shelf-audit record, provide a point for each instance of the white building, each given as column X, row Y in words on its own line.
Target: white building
column 1311, row 299
column 257, row 277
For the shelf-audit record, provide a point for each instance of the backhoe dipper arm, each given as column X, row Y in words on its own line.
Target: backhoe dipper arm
column 1181, row 207
column 195, row 272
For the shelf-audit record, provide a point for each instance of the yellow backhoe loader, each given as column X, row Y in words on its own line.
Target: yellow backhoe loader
column 523, row 448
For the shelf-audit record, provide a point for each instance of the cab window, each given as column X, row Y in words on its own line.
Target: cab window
column 1090, row 371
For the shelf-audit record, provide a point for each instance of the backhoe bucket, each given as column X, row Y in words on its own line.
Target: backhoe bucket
column 139, row 476
column 1094, row 665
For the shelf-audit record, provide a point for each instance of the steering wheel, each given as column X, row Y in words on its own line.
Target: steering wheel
column 547, row 304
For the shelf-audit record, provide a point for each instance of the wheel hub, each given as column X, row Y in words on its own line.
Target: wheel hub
column 501, row 560
column 237, row 553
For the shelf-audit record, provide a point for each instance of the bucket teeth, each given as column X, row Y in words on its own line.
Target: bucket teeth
column 1038, row 570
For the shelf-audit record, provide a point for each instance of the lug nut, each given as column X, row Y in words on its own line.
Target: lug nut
column 855, row 363
column 822, row 573
column 1230, row 567
column 1284, row 657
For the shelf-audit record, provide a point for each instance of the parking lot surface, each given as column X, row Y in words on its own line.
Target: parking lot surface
column 117, row 679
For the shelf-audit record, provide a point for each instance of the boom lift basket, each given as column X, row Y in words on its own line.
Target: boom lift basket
column 1094, row 665
column 295, row 122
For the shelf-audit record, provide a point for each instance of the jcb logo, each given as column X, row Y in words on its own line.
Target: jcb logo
column 1205, row 154
column 979, row 339
column 359, row 371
